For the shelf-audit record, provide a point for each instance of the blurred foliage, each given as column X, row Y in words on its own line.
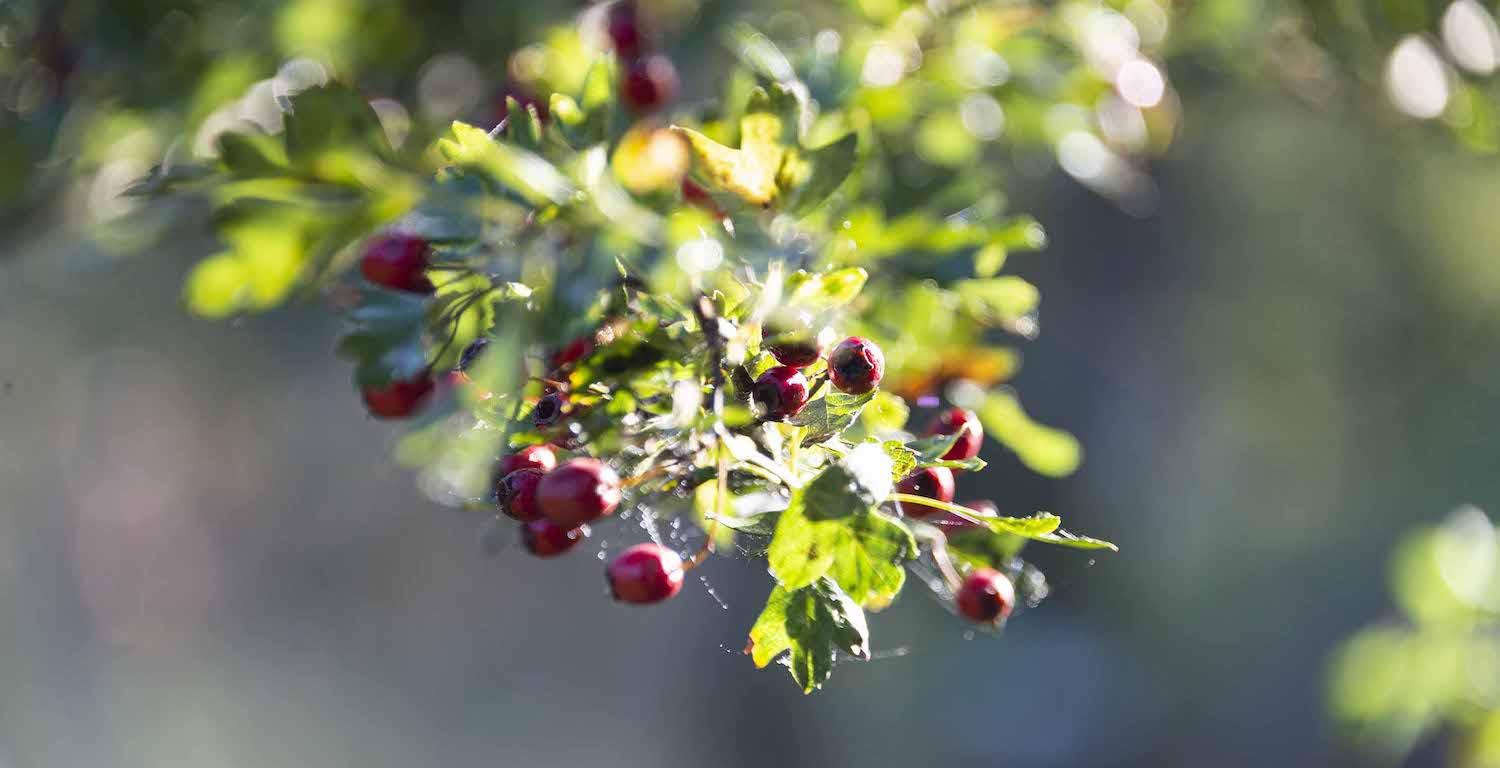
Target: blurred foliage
column 1436, row 670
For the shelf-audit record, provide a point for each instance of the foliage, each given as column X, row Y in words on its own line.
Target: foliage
column 1436, row 669
column 603, row 280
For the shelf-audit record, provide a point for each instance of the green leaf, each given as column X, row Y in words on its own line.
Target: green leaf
column 903, row 459
column 511, row 167
column 333, row 117
column 815, row 623
column 1048, row 451
column 833, row 527
column 829, row 415
column 1040, row 524
column 868, row 555
column 768, row 637
column 523, row 124
column 989, row 260
column 819, row 292
column 998, row 300
column 251, row 155
column 856, row 483
column 166, row 178
column 801, row 551
column 808, row 177
column 1064, row 539
column 771, row 125
column 930, row 450
column 821, row 622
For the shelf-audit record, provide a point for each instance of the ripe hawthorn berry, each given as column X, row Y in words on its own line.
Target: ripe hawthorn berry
column 650, row 82
column 793, row 341
column 548, row 410
column 398, row 398
column 531, row 457
column 544, row 538
column 985, row 597
column 575, row 350
column 398, row 262
column 931, row 482
column 697, row 196
column 624, row 27
column 964, row 423
column 779, row 393
column 579, row 491
column 856, row 365
column 515, row 494
column 645, row 573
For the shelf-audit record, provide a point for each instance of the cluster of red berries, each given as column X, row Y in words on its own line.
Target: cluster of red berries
column 986, row 596
column 650, row 79
column 398, row 262
column 556, row 502
column 855, row 366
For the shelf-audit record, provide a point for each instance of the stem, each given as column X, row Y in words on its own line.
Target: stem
column 703, row 308
column 939, row 548
column 923, row 501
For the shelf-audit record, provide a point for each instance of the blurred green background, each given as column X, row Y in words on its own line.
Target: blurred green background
column 208, row 558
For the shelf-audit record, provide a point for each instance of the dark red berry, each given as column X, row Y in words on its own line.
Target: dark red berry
column 793, row 341
column 650, row 82
column 931, row 482
column 964, row 423
column 579, row 491
column 545, row 538
column 694, row 195
column 856, row 365
column 398, row 398
column 623, row 25
column 531, row 457
column 645, row 573
column 398, row 262
column 985, row 597
column 575, row 350
column 779, row 393
column 548, row 410
column 515, row 494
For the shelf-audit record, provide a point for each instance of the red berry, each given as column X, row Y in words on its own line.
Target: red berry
column 545, row 538
column 793, row 342
column 624, row 28
column 649, row 83
column 579, row 491
column 985, row 597
column 548, row 410
column 964, row 423
column 531, row 457
column 398, row 262
column 576, row 350
column 694, row 195
column 645, row 573
column 931, row 482
column 398, row 398
column 856, row 365
column 779, row 393
column 515, row 494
